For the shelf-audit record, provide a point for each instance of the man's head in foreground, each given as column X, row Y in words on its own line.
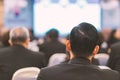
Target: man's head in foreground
column 83, row 41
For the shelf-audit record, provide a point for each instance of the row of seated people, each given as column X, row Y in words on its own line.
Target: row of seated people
column 18, row 56
column 51, row 41
column 31, row 73
column 79, row 66
column 109, row 42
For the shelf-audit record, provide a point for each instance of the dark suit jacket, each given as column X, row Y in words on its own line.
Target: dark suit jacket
column 52, row 47
column 16, row 57
column 77, row 69
column 114, row 60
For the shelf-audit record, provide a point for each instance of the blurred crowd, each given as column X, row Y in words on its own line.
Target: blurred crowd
column 53, row 50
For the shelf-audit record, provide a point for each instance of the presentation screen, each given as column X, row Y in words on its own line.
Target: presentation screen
column 63, row 15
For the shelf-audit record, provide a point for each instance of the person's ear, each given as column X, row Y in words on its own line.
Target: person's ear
column 10, row 42
column 68, row 47
column 96, row 49
column 27, row 41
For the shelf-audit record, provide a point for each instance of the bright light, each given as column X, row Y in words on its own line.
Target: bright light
column 64, row 18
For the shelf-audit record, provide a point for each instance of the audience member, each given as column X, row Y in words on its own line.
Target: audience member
column 52, row 45
column 33, row 45
column 93, row 61
column 17, row 55
column 104, row 35
column 32, row 37
column 4, row 35
column 4, row 39
column 114, row 60
column 114, row 37
column 83, row 45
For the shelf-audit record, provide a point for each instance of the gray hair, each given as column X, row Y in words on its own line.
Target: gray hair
column 19, row 34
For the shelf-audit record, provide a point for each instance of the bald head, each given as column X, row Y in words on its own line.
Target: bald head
column 19, row 35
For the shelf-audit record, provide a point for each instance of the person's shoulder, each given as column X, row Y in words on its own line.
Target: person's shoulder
column 55, row 67
column 116, row 45
column 60, row 43
column 43, row 45
column 115, row 48
column 39, row 53
column 6, row 49
column 36, row 53
column 114, row 75
column 4, row 52
column 109, row 71
column 105, row 72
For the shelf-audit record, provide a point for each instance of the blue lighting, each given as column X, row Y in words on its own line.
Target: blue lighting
column 73, row 1
column 55, row 1
column 36, row 1
column 93, row 1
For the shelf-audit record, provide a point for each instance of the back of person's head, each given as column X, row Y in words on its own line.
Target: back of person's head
column 19, row 35
column 53, row 34
column 32, row 36
column 5, row 38
column 83, row 40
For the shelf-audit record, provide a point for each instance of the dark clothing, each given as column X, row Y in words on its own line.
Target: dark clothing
column 77, row 69
column 52, row 47
column 16, row 57
column 112, row 39
column 95, row 61
column 114, row 60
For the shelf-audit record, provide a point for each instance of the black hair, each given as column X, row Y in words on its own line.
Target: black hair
column 53, row 34
column 83, row 39
column 5, row 38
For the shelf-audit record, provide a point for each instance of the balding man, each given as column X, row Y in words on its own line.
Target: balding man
column 18, row 56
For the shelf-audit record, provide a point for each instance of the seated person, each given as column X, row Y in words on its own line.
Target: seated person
column 114, row 60
column 17, row 55
column 52, row 44
column 82, row 46
column 4, row 39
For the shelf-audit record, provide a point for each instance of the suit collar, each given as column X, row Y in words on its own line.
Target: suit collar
column 18, row 46
column 81, row 60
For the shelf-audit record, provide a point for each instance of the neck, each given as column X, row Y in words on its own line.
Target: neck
column 22, row 44
column 26, row 46
column 72, row 56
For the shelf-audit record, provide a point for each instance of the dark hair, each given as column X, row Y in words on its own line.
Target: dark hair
column 83, row 39
column 112, row 39
column 5, row 38
column 53, row 33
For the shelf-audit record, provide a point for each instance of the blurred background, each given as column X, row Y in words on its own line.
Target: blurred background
column 49, row 19
column 42, row 15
